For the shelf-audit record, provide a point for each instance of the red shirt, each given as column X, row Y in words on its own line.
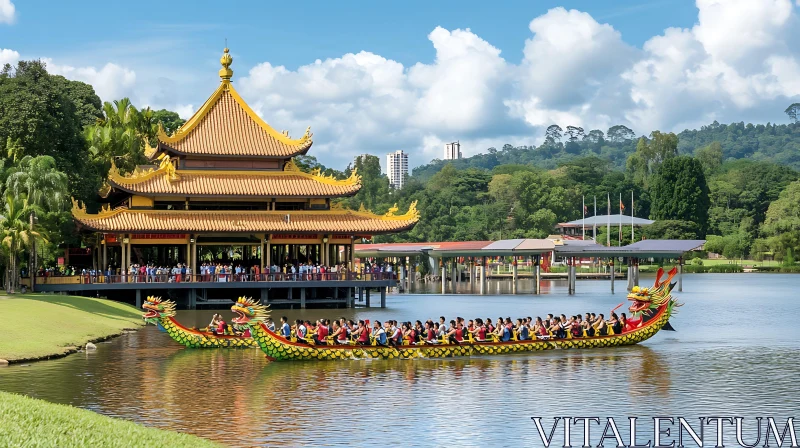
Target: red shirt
column 322, row 332
column 482, row 332
column 459, row 334
column 221, row 326
column 364, row 336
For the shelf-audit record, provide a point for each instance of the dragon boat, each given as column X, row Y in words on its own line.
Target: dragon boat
column 162, row 312
column 651, row 310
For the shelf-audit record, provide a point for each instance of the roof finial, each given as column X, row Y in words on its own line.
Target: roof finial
column 225, row 72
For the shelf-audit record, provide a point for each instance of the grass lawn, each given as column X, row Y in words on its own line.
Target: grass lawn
column 42, row 325
column 28, row 422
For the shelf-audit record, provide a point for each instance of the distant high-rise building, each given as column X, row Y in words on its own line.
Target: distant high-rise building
column 397, row 168
column 452, row 151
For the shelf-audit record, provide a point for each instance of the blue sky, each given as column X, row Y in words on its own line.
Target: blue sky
column 413, row 75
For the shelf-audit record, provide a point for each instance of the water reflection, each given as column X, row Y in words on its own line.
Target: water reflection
column 711, row 365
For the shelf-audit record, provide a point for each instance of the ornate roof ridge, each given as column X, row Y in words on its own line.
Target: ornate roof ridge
column 412, row 214
column 141, row 175
column 79, row 211
column 166, row 168
column 226, row 87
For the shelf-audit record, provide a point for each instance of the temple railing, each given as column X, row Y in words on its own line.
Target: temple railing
column 89, row 279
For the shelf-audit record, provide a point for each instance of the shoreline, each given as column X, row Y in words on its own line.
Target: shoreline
column 30, row 421
column 66, row 324
column 68, row 350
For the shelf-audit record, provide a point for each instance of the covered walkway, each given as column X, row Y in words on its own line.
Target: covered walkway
column 571, row 251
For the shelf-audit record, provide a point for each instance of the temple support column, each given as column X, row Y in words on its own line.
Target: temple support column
column 194, row 259
column 368, row 300
column 483, row 275
column 630, row 274
column 537, row 275
column 444, row 275
column 635, row 272
column 611, row 270
column 268, row 255
column 104, row 264
column 351, row 248
column 138, row 298
column 680, row 274
column 514, row 276
column 302, row 298
column 128, row 255
column 571, row 275
column 453, row 275
column 383, row 297
column 263, row 252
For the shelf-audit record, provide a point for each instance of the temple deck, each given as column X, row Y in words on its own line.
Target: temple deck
column 300, row 293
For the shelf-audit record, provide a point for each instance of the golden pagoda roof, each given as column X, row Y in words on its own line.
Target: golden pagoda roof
column 196, row 221
column 226, row 126
column 164, row 180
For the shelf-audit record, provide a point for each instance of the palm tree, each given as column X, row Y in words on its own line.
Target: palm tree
column 17, row 232
column 34, row 186
column 39, row 183
column 120, row 135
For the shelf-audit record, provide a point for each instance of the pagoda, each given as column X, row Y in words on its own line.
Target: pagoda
column 225, row 185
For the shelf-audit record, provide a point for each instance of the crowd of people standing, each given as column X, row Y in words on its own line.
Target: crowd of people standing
column 228, row 272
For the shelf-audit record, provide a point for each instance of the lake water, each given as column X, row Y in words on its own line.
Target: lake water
column 735, row 352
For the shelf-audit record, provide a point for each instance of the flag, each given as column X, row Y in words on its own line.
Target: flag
column 621, row 206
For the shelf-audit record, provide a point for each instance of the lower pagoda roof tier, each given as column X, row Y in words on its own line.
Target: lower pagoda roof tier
column 166, row 181
column 235, row 221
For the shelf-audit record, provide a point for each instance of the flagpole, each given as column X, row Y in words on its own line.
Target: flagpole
column 620, row 219
column 633, row 238
column 583, row 221
column 608, row 222
column 594, row 221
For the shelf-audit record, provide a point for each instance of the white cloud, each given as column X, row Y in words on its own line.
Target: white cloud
column 184, row 111
column 740, row 61
column 110, row 82
column 8, row 56
column 737, row 60
column 8, row 13
column 364, row 102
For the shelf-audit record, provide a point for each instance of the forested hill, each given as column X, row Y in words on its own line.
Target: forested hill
column 774, row 143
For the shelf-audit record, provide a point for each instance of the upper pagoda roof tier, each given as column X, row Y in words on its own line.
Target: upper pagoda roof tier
column 165, row 180
column 302, row 221
column 226, row 126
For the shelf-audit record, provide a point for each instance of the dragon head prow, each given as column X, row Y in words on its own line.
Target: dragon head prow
column 651, row 299
column 248, row 312
column 157, row 308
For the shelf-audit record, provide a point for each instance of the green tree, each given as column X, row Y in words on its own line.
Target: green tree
column 553, row 134
column 33, row 186
column 671, row 229
column 17, row 233
column 620, row 133
column 88, row 106
column 375, row 189
column 169, row 119
column 120, row 136
column 39, row 112
column 710, row 157
column 649, row 156
column 782, row 224
column 679, row 192
column 793, row 112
